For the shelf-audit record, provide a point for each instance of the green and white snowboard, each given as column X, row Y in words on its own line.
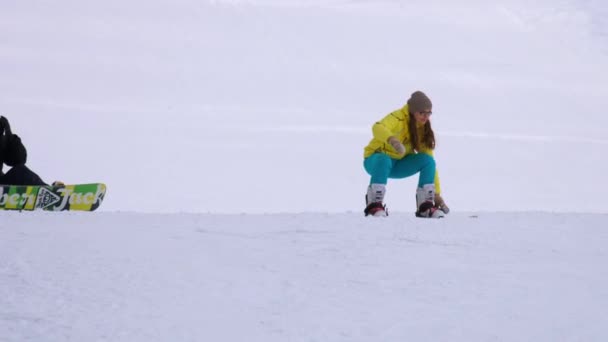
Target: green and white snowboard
column 81, row 197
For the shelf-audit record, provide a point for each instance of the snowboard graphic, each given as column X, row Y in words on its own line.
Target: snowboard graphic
column 81, row 197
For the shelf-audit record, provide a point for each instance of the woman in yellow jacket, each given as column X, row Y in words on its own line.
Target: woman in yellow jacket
column 402, row 146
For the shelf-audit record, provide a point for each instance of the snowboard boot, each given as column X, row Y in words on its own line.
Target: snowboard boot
column 373, row 201
column 425, row 203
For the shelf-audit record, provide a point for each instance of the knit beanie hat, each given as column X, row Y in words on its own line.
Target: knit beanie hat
column 419, row 102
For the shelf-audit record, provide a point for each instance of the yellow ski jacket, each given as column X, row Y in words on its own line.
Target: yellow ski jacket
column 395, row 124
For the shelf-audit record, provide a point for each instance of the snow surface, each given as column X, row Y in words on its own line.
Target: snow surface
column 231, row 133
column 303, row 277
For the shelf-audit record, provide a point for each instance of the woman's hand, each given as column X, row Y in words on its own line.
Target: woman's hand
column 441, row 204
column 397, row 145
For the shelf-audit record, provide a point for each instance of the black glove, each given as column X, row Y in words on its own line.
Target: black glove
column 14, row 152
column 5, row 127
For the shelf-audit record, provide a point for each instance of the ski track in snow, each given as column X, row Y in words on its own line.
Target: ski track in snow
column 302, row 277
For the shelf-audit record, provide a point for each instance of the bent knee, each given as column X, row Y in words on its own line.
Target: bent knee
column 427, row 160
column 378, row 162
column 381, row 160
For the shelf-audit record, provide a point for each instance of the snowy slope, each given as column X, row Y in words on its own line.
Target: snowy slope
column 303, row 277
column 230, row 135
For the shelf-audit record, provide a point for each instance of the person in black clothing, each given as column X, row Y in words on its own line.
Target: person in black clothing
column 14, row 154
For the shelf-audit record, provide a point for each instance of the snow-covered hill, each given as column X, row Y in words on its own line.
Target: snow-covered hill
column 303, row 277
column 230, row 135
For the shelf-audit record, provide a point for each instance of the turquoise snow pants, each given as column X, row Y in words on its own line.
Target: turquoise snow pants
column 382, row 167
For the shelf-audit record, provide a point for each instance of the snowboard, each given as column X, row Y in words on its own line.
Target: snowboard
column 80, row 197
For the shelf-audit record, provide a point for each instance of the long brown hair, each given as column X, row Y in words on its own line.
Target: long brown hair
column 428, row 136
